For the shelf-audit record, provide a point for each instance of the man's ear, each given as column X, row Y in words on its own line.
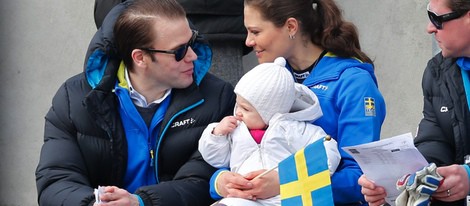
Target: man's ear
column 467, row 15
column 138, row 57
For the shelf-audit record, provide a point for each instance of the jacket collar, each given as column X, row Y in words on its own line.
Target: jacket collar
column 331, row 66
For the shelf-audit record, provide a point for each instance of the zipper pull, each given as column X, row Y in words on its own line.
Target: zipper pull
column 151, row 158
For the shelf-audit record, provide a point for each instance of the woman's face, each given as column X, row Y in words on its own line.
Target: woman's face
column 453, row 38
column 267, row 40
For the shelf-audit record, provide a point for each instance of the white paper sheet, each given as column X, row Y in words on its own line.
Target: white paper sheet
column 385, row 161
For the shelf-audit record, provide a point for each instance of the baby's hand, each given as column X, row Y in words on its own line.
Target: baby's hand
column 226, row 126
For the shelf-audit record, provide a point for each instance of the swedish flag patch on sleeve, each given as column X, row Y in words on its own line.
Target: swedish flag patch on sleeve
column 369, row 106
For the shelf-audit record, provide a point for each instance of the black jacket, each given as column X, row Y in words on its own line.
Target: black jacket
column 442, row 136
column 85, row 144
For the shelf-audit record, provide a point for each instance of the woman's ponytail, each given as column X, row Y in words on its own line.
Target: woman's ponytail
column 338, row 36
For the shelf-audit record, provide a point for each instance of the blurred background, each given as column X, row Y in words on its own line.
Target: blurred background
column 42, row 43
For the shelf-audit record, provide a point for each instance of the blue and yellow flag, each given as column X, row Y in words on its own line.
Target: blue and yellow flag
column 369, row 106
column 305, row 178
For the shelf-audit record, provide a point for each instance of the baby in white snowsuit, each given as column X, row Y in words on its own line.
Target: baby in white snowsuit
column 272, row 121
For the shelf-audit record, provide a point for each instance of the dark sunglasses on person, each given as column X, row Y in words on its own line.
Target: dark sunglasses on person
column 438, row 20
column 181, row 51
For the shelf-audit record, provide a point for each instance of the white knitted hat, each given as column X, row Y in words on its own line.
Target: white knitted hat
column 269, row 88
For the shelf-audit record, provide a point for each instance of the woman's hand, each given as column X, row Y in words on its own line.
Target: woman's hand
column 263, row 187
column 230, row 184
column 374, row 195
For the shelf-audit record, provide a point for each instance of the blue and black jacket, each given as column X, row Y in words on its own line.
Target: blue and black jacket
column 86, row 143
column 353, row 113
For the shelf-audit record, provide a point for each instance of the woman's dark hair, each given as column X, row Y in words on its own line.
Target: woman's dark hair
column 134, row 27
column 324, row 23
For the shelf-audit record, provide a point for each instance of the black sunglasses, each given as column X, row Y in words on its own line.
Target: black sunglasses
column 181, row 51
column 438, row 20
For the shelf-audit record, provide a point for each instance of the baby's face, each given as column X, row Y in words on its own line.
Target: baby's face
column 248, row 114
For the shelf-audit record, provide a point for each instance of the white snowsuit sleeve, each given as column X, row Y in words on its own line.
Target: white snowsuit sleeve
column 306, row 133
column 215, row 149
column 333, row 155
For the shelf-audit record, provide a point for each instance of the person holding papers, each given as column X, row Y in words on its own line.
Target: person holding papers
column 271, row 122
column 443, row 136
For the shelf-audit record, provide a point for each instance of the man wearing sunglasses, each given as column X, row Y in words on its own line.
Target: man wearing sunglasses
column 443, row 136
column 132, row 120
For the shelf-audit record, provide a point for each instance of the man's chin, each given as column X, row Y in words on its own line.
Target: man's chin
column 184, row 83
column 447, row 54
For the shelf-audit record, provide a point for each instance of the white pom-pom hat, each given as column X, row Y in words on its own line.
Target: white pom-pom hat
column 269, row 88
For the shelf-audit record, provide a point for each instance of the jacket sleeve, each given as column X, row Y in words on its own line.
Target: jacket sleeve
column 61, row 172
column 430, row 137
column 190, row 186
column 215, row 149
column 355, row 126
column 299, row 134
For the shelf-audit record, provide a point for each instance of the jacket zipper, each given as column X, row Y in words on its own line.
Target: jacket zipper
column 157, row 146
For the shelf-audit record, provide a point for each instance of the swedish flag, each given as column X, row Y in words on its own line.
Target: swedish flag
column 305, row 178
